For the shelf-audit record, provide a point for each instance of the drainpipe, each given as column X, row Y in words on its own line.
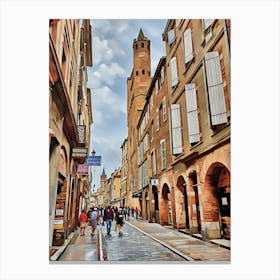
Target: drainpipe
column 226, row 38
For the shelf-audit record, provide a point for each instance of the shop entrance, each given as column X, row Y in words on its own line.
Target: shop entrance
column 166, row 215
column 182, row 186
column 217, row 188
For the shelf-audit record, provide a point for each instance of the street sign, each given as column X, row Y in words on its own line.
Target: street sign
column 93, row 160
column 154, row 182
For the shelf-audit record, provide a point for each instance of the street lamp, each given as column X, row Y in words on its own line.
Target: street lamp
column 93, row 152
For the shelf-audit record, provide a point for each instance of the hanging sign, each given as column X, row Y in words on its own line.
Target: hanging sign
column 82, row 169
column 93, row 160
column 79, row 152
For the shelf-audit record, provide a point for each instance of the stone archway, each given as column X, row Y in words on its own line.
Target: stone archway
column 217, row 201
column 165, row 206
column 182, row 211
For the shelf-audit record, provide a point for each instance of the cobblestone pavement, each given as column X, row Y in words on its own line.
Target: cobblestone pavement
column 197, row 249
column 135, row 246
column 83, row 248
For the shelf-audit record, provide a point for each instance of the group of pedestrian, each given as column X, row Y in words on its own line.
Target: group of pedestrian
column 101, row 215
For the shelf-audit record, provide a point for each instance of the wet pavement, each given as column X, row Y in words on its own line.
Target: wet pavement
column 143, row 242
column 82, row 248
column 134, row 245
column 195, row 249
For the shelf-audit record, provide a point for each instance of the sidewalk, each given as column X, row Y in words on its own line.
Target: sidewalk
column 189, row 247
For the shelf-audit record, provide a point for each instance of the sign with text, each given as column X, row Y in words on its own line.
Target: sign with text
column 81, row 134
column 79, row 152
column 82, row 169
column 94, row 160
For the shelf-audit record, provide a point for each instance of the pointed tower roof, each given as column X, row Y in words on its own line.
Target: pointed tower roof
column 103, row 172
column 141, row 35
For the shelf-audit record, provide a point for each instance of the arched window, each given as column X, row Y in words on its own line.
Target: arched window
column 143, row 71
column 142, row 45
column 136, row 46
column 136, row 73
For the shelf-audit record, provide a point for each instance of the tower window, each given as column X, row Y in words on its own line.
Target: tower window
column 136, row 46
column 142, row 45
column 143, row 71
column 136, row 73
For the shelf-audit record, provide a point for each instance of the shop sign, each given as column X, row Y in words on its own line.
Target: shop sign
column 94, row 160
column 59, row 212
column 58, row 224
column 79, row 152
column 81, row 134
column 154, row 182
column 82, row 169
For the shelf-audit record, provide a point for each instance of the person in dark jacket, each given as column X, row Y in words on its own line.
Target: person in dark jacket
column 108, row 217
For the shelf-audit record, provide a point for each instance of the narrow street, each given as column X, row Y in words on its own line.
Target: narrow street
column 141, row 242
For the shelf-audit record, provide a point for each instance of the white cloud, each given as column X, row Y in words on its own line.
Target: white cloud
column 106, row 74
column 101, row 50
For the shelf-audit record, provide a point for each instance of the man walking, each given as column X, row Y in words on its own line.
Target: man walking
column 108, row 217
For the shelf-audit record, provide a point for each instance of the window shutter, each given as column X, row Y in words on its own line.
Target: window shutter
column 154, row 162
column 163, row 154
column 176, row 129
column 215, row 88
column 192, row 114
column 171, row 36
column 164, row 109
column 157, row 120
column 173, row 71
column 207, row 23
column 188, row 45
column 162, row 75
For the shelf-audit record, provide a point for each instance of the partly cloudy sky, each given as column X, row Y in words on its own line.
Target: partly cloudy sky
column 112, row 64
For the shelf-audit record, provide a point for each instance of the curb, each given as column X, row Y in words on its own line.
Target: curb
column 163, row 243
column 67, row 242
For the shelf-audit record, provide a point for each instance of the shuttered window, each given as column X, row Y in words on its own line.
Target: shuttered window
column 207, row 23
column 215, row 88
column 163, row 153
column 192, row 113
column 188, row 45
column 173, row 72
column 162, row 75
column 164, row 109
column 171, row 36
column 176, row 129
column 154, row 160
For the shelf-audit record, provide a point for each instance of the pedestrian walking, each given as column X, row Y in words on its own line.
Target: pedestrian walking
column 83, row 222
column 108, row 217
column 94, row 219
column 136, row 213
column 119, row 221
column 125, row 212
column 128, row 213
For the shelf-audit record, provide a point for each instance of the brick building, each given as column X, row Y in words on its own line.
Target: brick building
column 182, row 146
column 69, row 125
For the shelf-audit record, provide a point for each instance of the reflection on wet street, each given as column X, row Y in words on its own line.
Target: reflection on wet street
column 135, row 246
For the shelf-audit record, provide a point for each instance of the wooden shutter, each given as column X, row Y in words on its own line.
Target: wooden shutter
column 192, row 114
column 162, row 75
column 176, row 129
column 154, row 162
column 173, row 71
column 188, row 45
column 171, row 36
column 163, row 154
column 164, row 109
column 207, row 23
column 215, row 88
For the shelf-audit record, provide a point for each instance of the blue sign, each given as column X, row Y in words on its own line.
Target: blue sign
column 93, row 160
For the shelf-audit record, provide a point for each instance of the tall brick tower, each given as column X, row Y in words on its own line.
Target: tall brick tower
column 137, row 86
